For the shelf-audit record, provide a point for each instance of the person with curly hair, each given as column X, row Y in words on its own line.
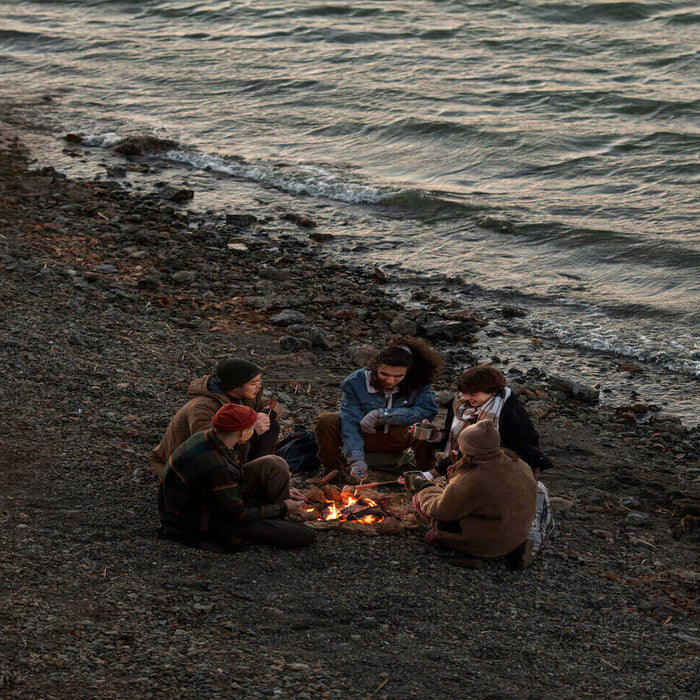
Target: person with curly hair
column 378, row 405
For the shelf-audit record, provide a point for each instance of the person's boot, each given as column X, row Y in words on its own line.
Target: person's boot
column 521, row 557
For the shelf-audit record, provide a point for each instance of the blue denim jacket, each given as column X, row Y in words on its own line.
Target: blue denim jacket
column 359, row 398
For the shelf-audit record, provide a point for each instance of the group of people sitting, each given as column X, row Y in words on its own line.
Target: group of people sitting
column 222, row 486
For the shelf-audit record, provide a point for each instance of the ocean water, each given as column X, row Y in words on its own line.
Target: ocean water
column 541, row 154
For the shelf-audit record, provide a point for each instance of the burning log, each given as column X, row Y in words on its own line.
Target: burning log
column 316, row 495
column 364, row 512
column 390, row 526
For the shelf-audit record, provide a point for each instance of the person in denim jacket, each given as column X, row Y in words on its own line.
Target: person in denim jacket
column 378, row 405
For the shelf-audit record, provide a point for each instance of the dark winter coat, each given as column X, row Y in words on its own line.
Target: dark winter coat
column 200, row 492
column 517, row 434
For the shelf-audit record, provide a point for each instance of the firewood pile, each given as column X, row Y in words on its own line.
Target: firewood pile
column 366, row 512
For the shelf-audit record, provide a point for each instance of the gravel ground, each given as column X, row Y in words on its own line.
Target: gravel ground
column 112, row 303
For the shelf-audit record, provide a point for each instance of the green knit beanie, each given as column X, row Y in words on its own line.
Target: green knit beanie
column 234, row 372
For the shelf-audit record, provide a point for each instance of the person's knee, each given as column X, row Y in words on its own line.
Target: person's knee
column 277, row 466
column 328, row 421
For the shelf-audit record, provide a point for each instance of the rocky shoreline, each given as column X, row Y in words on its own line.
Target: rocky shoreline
column 112, row 302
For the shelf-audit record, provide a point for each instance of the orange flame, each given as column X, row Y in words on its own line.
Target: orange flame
column 332, row 512
column 370, row 519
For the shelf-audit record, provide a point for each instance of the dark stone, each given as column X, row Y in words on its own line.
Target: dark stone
column 149, row 282
column 241, row 220
column 177, row 195
column 403, row 326
column 299, row 219
column 462, row 331
column 318, row 236
column 289, row 343
column 288, row 317
column 138, row 145
column 513, row 312
column 185, row 277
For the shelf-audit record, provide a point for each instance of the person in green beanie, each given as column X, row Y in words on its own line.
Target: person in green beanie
column 237, row 381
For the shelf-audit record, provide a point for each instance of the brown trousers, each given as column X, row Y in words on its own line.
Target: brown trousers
column 397, row 439
column 266, row 480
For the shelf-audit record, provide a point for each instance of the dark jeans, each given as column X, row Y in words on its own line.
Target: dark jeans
column 260, row 445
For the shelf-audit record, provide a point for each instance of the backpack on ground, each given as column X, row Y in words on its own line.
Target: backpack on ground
column 544, row 529
column 300, row 451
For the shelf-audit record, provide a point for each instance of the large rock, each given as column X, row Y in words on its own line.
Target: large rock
column 281, row 274
column 240, row 221
column 138, row 145
column 185, row 277
column 454, row 331
column 179, row 195
column 666, row 423
column 289, row 343
column 573, row 389
column 403, row 326
column 288, row 317
column 315, row 335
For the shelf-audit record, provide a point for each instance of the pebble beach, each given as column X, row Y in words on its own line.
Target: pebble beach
column 113, row 301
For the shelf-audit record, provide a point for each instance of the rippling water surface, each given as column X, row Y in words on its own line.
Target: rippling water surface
column 536, row 152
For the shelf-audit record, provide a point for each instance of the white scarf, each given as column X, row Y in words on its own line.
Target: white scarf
column 467, row 415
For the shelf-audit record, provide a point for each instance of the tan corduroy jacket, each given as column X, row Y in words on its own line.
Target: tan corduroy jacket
column 196, row 416
column 494, row 504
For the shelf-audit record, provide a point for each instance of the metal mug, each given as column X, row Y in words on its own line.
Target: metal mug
column 410, row 479
column 425, row 431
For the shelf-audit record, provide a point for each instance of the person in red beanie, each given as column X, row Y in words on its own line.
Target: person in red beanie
column 207, row 496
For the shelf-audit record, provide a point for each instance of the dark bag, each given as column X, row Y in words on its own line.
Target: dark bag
column 300, row 451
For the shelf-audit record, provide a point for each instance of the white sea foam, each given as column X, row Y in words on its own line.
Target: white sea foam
column 676, row 357
column 311, row 181
column 106, row 140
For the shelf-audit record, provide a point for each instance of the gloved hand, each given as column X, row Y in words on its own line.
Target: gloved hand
column 370, row 422
column 359, row 470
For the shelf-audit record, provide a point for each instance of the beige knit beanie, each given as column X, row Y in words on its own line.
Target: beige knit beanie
column 479, row 439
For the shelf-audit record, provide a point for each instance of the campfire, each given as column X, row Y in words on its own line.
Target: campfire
column 349, row 509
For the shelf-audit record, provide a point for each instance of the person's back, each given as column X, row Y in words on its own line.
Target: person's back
column 188, row 483
column 488, row 505
column 191, row 418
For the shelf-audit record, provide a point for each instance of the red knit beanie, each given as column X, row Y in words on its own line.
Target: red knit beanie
column 233, row 418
